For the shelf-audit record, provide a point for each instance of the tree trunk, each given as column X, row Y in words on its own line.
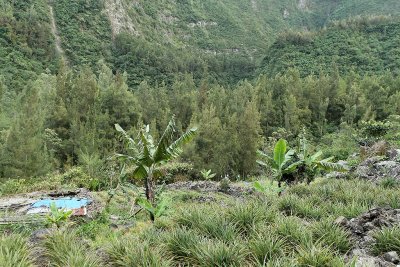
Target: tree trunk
column 150, row 192
column 280, row 188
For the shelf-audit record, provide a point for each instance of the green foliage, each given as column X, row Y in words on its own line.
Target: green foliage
column 156, row 210
column 316, row 255
column 207, row 175
column 84, row 31
column 146, row 157
column 375, row 129
column 309, row 164
column 279, row 160
column 129, row 251
column 219, row 254
column 293, row 230
column 386, row 240
column 181, row 244
column 364, row 45
column 209, row 223
column 389, row 182
column 26, row 40
column 62, row 248
column 224, row 185
column 57, row 217
column 266, row 248
column 332, row 236
column 14, row 251
column 48, row 182
column 245, row 216
column 177, row 171
column 251, row 231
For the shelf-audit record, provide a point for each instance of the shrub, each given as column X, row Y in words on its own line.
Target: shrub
column 77, row 177
column 132, row 252
column 224, row 185
column 178, row 171
column 389, row 182
column 293, row 230
column 180, row 243
column 331, row 236
column 386, row 240
column 14, row 251
column 265, row 248
column 219, row 254
column 12, row 186
column 63, row 249
column 245, row 216
column 316, row 255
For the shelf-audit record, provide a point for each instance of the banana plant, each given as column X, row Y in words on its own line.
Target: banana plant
column 57, row 217
column 147, row 157
column 155, row 210
column 310, row 164
column 207, row 175
column 279, row 162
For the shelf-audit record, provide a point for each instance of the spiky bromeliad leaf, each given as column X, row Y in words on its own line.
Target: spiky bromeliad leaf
column 165, row 141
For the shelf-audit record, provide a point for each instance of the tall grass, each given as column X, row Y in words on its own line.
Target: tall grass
column 219, row 254
column 386, row 240
column 14, row 252
column 62, row 249
column 132, row 252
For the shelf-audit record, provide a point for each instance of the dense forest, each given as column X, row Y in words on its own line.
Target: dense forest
column 68, row 77
column 367, row 46
column 61, row 120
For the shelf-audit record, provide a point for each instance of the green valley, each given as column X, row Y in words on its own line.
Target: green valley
column 199, row 133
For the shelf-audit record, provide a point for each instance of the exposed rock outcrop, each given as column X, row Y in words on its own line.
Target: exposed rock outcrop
column 362, row 229
column 119, row 18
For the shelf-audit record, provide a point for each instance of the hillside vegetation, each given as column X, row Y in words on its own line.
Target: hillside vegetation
column 155, row 41
column 362, row 45
column 175, row 148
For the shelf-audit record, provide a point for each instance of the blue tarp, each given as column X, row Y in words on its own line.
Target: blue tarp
column 63, row 203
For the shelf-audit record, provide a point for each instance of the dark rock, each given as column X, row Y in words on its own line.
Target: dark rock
column 369, row 261
column 208, row 186
column 365, row 172
column 362, row 228
column 391, row 257
column 393, row 154
column 40, row 235
column 376, row 168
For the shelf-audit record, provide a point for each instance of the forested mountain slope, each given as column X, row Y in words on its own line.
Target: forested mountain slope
column 362, row 45
column 155, row 40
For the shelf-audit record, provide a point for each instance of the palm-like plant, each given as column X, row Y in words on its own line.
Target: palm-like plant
column 309, row 164
column 207, row 175
column 147, row 157
column 279, row 162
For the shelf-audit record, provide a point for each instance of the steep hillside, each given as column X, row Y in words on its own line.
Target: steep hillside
column 26, row 41
column 361, row 45
column 155, row 40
